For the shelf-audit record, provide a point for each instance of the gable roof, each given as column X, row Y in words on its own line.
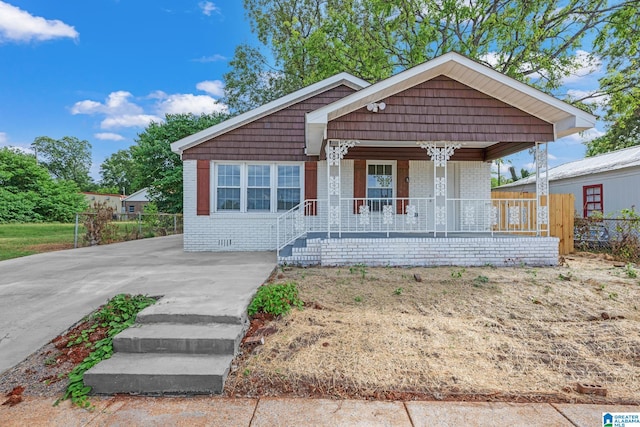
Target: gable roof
column 566, row 118
column 141, row 195
column 619, row 159
column 269, row 108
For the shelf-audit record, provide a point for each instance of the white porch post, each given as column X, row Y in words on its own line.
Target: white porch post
column 542, row 189
column 439, row 157
column 335, row 150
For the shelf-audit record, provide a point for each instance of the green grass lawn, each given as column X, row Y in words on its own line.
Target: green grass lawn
column 18, row 240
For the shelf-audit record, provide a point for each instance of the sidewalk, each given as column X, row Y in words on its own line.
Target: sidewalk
column 216, row 411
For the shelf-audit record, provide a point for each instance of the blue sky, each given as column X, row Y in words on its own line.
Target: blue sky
column 101, row 70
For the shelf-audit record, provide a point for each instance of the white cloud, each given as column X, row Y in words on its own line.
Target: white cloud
column 208, row 7
column 3, row 138
column 188, row 103
column 579, row 94
column 212, row 87
column 582, row 137
column 128, row 120
column 213, row 58
column 116, row 103
column 586, row 63
column 20, row 26
column 108, row 136
column 119, row 111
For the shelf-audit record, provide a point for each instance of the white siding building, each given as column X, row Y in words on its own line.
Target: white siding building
column 605, row 183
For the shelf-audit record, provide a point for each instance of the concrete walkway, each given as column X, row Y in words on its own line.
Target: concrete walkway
column 214, row 411
column 42, row 295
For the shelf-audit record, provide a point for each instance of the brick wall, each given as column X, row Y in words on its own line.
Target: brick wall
column 427, row 251
column 223, row 231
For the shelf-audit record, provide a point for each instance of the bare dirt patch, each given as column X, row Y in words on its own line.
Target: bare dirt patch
column 518, row 333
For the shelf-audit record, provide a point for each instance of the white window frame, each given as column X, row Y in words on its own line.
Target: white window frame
column 394, row 177
column 244, row 185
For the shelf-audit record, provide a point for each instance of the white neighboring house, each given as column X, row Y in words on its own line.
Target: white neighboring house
column 605, row 183
column 136, row 202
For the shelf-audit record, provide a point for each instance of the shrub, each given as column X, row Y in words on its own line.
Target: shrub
column 98, row 224
column 276, row 299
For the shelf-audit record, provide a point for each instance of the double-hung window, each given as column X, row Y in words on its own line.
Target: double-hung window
column 288, row 192
column 228, row 188
column 592, row 199
column 379, row 186
column 257, row 187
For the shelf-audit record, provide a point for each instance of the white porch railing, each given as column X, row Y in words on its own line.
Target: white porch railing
column 407, row 215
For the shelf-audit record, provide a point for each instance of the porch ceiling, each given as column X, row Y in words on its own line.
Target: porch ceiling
column 564, row 118
column 405, row 150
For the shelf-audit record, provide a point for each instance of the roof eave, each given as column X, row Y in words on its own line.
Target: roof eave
column 346, row 79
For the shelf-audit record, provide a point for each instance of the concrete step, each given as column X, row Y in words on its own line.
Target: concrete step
column 215, row 338
column 192, row 310
column 159, row 374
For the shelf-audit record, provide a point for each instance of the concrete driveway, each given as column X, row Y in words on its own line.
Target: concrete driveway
column 42, row 295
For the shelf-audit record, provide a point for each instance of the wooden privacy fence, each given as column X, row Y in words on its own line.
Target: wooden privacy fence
column 561, row 215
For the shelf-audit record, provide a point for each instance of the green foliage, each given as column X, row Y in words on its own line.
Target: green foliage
column 151, row 220
column 626, row 245
column 532, row 41
column 456, row 274
column 276, row 299
column 118, row 314
column 630, row 271
column 358, row 298
column 398, row 291
column 67, row 158
column 358, row 269
column 480, row 280
column 157, row 167
column 29, row 194
column 118, row 171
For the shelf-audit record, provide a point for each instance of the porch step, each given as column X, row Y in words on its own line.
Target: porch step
column 193, row 310
column 180, row 338
column 139, row 373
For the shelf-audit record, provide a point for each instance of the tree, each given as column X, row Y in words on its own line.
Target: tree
column 532, row 41
column 157, row 167
column 622, row 134
column 68, row 158
column 29, row 194
column 118, row 171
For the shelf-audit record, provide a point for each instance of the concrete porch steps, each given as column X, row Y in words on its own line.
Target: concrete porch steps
column 180, row 345
column 214, row 338
column 140, row 373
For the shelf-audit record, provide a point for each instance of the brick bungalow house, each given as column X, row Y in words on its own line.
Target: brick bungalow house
column 392, row 173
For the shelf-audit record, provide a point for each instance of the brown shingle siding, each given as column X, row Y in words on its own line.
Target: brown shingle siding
column 276, row 137
column 441, row 109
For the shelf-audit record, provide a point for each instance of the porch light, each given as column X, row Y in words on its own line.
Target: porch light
column 375, row 106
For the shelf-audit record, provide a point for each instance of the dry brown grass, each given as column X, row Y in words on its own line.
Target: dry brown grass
column 511, row 332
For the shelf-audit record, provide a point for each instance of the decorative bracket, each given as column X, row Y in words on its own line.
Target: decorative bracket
column 336, row 152
column 439, row 155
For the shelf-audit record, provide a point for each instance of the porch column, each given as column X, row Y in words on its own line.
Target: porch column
column 335, row 150
column 439, row 157
column 542, row 189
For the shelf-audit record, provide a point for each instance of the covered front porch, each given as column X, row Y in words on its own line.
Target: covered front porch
column 433, row 211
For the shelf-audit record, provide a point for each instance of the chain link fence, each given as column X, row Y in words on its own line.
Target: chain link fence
column 618, row 236
column 104, row 227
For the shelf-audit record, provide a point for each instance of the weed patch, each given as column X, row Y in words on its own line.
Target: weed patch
column 116, row 315
column 276, row 299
